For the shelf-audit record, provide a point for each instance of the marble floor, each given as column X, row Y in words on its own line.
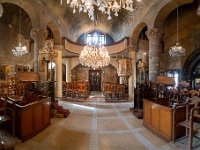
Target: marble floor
column 96, row 125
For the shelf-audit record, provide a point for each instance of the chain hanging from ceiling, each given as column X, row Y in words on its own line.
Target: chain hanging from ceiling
column 177, row 50
column 20, row 49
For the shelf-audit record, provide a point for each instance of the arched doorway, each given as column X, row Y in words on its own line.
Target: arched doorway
column 189, row 71
column 95, row 80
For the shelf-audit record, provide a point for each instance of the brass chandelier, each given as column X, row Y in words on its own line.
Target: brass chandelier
column 177, row 50
column 105, row 6
column 20, row 49
column 94, row 56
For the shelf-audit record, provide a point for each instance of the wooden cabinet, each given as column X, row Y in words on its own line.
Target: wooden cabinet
column 162, row 120
column 32, row 118
column 158, row 118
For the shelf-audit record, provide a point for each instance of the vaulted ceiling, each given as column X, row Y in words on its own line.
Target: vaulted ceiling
column 151, row 13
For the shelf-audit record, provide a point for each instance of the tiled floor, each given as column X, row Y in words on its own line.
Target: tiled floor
column 96, row 125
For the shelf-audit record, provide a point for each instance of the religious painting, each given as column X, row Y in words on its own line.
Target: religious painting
column 5, row 71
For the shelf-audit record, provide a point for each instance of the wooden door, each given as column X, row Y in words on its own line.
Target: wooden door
column 95, row 80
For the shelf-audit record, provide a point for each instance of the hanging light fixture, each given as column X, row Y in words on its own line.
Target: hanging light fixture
column 177, row 50
column 105, row 6
column 1, row 9
column 20, row 49
column 94, row 56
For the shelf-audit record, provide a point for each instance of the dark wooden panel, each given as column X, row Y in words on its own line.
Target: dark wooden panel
column 27, row 121
column 37, row 117
column 27, row 76
column 32, row 118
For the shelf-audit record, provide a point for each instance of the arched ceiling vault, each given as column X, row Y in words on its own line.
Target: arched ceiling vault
column 28, row 6
column 56, row 34
column 136, row 33
column 66, row 24
column 166, row 10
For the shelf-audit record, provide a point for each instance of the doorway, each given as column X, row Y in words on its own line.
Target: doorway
column 95, row 80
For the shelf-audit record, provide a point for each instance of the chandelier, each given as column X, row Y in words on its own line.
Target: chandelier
column 105, row 6
column 20, row 49
column 177, row 50
column 1, row 9
column 94, row 56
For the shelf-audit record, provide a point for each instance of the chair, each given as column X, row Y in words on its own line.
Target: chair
column 122, row 93
column 191, row 122
column 107, row 90
column 4, row 110
column 115, row 90
column 173, row 95
column 82, row 91
column 193, row 93
column 20, row 89
column 64, row 88
column 5, row 118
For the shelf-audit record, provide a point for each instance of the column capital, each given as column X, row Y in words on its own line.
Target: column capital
column 132, row 48
column 154, row 33
column 58, row 47
column 39, row 32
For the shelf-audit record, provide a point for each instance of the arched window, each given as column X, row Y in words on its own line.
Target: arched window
column 95, row 38
column 89, row 38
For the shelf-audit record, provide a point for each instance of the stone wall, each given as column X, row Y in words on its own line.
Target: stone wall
column 81, row 73
column 8, row 41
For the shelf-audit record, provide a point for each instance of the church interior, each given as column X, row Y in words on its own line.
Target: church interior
column 99, row 74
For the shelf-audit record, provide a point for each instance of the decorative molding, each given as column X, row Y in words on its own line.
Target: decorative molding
column 39, row 33
column 154, row 33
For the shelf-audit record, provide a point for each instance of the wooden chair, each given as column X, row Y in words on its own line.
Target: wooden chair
column 122, row 93
column 173, row 95
column 11, row 83
column 64, row 88
column 4, row 109
column 107, row 90
column 82, row 91
column 6, row 122
column 191, row 122
column 20, row 89
column 115, row 90
column 193, row 93
column 69, row 89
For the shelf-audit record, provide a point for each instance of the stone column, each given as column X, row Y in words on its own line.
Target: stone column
column 39, row 35
column 132, row 78
column 58, row 62
column 154, row 36
column 68, row 70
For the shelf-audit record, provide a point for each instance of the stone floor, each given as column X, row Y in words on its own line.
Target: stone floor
column 96, row 125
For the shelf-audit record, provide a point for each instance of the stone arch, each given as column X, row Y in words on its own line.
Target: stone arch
column 136, row 33
column 166, row 10
column 56, row 34
column 189, row 65
column 29, row 9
